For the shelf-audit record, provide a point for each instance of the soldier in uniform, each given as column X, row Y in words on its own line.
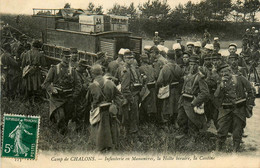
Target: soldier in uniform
column 63, row 85
column 170, row 74
column 9, row 71
column 195, row 92
column 190, row 47
column 102, row 60
column 156, row 39
column 237, row 104
column 148, row 109
column 114, row 65
column 208, row 50
column 81, row 116
column 178, row 40
column 21, row 48
column 33, row 63
column 158, row 61
column 147, row 50
column 216, row 45
column 212, row 78
column 74, row 57
column 178, row 53
column 185, row 65
column 206, row 38
column 103, row 95
column 130, row 87
column 233, row 60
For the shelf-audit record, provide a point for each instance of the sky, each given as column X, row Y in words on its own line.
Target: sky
column 26, row 6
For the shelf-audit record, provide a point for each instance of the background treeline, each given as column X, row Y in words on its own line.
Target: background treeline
column 224, row 18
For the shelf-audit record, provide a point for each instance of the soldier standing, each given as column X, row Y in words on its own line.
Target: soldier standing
column 237, row 104
column 233, row 60
column 33, row 63
column 216, row 45
column 63, row 85
column 178, row 53
column 10, row 71
column 185, row 65
column 156, row 38
column 103, row 95
column 208, row 50
column 130, row 87
column 81, row 116
column 178, row 40
column 158, row 61
column 74, row 57
column 190, row 47
column 114, row 65
column 148, row 107
column 206, row 38
column 170, row 75
column 197, row 51
column 195, row 92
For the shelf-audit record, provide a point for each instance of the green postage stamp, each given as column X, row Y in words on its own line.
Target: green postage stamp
column 20, row 136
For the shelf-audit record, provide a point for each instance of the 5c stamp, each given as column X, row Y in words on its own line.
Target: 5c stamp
column 20, row 136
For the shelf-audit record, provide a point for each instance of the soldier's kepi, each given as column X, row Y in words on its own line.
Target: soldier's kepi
column 63, row 85
column 237, row 104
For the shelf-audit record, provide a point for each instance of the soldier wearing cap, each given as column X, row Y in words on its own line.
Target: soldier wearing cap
column 206, row 38
column 256, row 38
column 103, row 95
column 235, row 61
column 216, row 45
column 10, row 72
column 156, row 38
column 21, row 48
column 178, row 53
column 157, row 60
column 208, row 50
column 74, row 57
column 129, row 79
column 102, row 60
column 64, row 86
column 190, row 47
column 195, row 92
column 171, row 75
column 147, row 50
column 33, row 62
column 114, row 65
column 212, row 78
column 237, row 104
column 178, row 40
column 185, row 65
column 148, row 109
column 81, row 116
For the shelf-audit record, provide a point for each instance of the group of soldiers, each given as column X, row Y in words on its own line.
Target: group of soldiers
column 183, row 87
column 23, row 67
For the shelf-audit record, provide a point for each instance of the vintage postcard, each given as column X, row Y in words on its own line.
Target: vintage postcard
column 138, row 83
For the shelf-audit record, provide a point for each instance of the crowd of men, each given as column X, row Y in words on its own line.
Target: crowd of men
column 184, row 87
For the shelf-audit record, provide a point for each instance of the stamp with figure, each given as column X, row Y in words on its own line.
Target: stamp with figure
column 20, row 136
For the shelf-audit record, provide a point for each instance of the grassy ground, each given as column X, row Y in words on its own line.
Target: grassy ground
column 150, row 138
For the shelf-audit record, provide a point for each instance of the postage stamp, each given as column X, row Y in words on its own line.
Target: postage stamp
column 20, row 136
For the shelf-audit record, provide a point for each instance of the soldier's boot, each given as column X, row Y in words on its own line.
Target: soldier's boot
column 236, row 146
column 219, row 145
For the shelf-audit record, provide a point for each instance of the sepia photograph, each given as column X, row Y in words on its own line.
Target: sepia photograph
column 138, row 83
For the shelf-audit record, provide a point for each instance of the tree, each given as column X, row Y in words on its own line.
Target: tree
column 247, row 7
column 155, row 8
column 95, row 10
column 189, row 10
column 202, row 11
column 67, row 5
column 252, row 6
column 123, row 10
column 220, row 8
